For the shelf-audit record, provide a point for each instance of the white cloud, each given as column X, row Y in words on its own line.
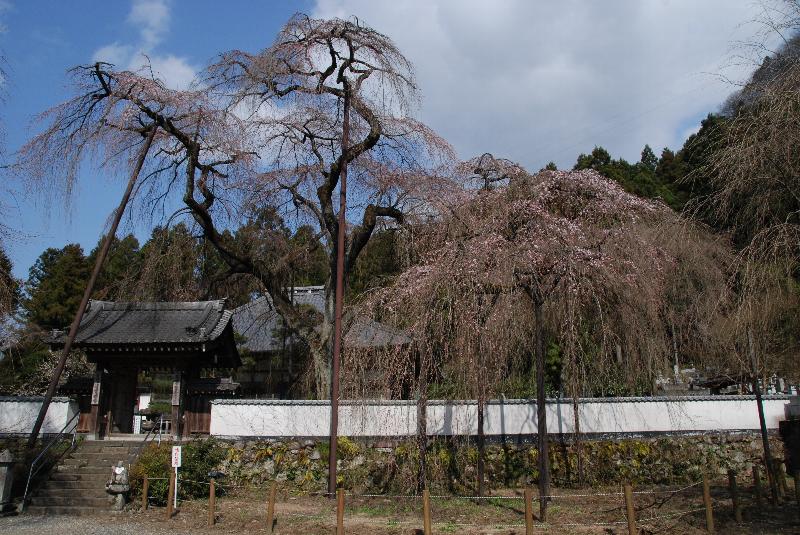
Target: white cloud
column 115, row 53
column 538, row 81
column 152, row 18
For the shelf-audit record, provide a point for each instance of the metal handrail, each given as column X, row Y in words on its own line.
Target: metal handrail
column 147, row 437
column 34, row 470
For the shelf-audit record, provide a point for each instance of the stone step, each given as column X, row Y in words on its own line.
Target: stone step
column 81, row 492
column 85, row 470
column 101, row 456
column 77, row 476
column 72, row 486
column 71, row 501
column 99, row 445
column 74, row 511
column 69, row 461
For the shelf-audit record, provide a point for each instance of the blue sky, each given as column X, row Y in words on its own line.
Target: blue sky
column 43, row 39
column 531, row 81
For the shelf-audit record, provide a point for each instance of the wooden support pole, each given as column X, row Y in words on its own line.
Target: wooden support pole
column 528, row 511
column 145, row 489
column 707, row 502
column 340, row 511
column 212, row 502
column 629, row 510
column 426, row 512
column 170, row 494
column 87, row 292
column 737, row 510
column 757, row 487
column 271, row 506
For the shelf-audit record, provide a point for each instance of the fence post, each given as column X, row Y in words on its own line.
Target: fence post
column 271, row 507
column 757, row 486
column 528, row 511
column 145, row 489
column 737, row 510
column 212, row 502
column 170, row 494
column 630, row 512
column 426, row 512
column 707, row 502
column 339, row 511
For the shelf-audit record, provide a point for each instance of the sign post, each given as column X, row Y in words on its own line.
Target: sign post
column 176, row 463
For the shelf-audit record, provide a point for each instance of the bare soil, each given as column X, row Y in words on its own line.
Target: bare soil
column 595, row 511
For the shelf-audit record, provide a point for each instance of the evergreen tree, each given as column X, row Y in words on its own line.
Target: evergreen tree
column 169, row 266
column 55, row 286
column 121, row 267
column 9, row 286
column 376, row 264
column 649, row 159
column 311, row 267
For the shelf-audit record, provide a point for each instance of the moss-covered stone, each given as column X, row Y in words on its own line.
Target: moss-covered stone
column 451, row 462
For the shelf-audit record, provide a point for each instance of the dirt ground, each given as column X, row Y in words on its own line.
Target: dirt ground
column 599, row 511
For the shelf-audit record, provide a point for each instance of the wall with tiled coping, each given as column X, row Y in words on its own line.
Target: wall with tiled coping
column 18, row 414
column 598, row 416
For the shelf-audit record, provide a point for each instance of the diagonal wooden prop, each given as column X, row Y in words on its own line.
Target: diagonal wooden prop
column 73, row 329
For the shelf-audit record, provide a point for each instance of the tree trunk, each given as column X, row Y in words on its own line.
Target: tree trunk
column 576, row 418
column 422, row 425
column 321, row 355
column 481, row 445
column 541, row 412
column 773, row 486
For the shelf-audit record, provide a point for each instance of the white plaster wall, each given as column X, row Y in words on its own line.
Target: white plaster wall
column 18, row 414
column 278, row 418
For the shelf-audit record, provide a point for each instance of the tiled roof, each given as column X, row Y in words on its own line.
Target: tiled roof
column 261, row 325
column 110, row 323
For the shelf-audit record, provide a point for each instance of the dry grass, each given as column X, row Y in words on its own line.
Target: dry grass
column 602, row 512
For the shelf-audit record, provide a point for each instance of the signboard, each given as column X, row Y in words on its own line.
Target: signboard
column 176, row 456
column 176, row 391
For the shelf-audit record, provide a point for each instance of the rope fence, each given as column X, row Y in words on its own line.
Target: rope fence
column 626, row 497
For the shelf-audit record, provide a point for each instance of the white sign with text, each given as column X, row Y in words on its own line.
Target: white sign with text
column 176, row 456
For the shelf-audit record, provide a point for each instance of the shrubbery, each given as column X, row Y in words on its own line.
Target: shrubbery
column 199, row 458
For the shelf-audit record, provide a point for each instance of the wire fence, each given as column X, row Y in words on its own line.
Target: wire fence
column 621, row 501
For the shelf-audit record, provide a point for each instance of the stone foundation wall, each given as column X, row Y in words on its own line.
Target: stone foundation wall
column 452, row 462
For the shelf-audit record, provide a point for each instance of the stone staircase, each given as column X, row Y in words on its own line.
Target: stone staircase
column 77, row 485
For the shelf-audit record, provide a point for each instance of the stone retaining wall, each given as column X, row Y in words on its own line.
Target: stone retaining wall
column 452, row 462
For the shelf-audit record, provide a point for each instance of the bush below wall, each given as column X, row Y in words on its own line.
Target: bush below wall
column 452, row 462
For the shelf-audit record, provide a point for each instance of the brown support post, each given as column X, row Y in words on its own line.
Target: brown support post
column 757, row 486
column 212, row 502
column 271, row 507
column 87, row 293
column 707, row 502
column 145, row 489
column 528, row 511
column 170, row 493
column 630, row 512
column 737, row 510
column 339, row 511
column 773, row 487
column 339, row 295
column 426, row 512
